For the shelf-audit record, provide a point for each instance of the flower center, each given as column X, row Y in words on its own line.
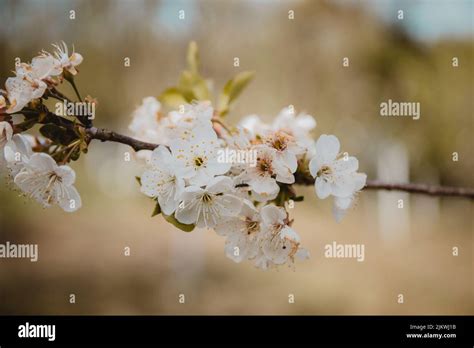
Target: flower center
column 324, row 171
column 207, row 198
column 251, row 226
column 265, row 165
column 53, row 177
column 198, row 161
column 279, row 141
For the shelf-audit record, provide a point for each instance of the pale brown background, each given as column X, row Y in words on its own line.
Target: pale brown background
column 297, row 62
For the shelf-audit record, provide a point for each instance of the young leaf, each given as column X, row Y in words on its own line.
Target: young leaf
column 183, row 227
column 172, row 97
column 157, row 210
column 192, row 57
column 232, row 89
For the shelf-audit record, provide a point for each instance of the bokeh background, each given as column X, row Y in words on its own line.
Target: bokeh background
column 407, row 251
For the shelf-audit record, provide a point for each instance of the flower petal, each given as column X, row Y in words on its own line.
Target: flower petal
column 327, row 148
column 323, row 188
column 71, row 200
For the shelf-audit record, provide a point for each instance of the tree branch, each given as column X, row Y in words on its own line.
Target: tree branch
column 431, row 190
column 302, row 179
column 107, row 135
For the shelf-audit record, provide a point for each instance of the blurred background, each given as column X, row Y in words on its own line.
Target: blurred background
column 297, row 61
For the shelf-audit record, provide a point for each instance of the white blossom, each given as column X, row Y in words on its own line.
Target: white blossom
column 299, row 126
column 242, row 232
column 198, row 153
column 15, row 150
column 178, row 124
column 146, row 124
column 269, row 170
column 342, row 204
column 17, row 153
column 66, row 61
column 42, row 179
column 285, row 154
column 333, row 172
column 255, row 125
column 162, row 180
column 29, row 82
column 206, row 207
column 279, row 242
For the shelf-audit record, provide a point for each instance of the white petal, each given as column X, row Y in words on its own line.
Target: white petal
column 19, row 92
column 289, row 233
column 217, row 168
column 200, row 178
column 360, row 180
column 161, row 157
column 168, row 202
column 289, row 160
column 188, row 209
column 327, row 148
column 230, row 226
column 323, row 188
column 220, row 184
column 42, row 162
column 302, row 254
column 150, row 181
column 229, row 205
column 343, row 202
column 305, row 122
column 349, row 165
column 314, row 166
column 187, row 214
column 67, row 174
column 76, row 59
column 6, row 131
column 272, row 215
column 71, row 201
column 343, row 186
column 38, row 90
column 42, row 66
column 264, row 185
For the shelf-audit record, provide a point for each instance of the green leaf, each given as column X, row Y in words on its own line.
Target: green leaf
column 193, row 87
column 173, row 97
column 157, row 210
column 232, row 89
column 200, row 89
column 192, row 57
column 183, row 227
column 139, row 180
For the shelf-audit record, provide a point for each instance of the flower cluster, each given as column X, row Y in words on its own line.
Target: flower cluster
column 36, row 174
column 237, row 180
column 32, row 80
column 245, row 202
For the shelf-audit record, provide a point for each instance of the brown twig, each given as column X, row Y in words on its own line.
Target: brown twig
column 431, row 190
column 302, row 179
column 107, row 135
